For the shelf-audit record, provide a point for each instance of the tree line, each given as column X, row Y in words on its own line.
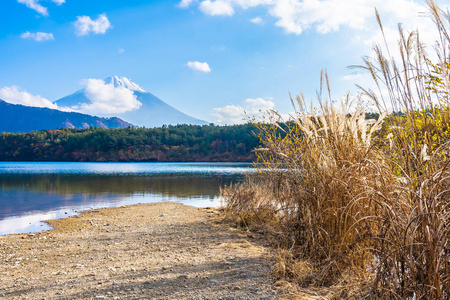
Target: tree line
column 180, row 143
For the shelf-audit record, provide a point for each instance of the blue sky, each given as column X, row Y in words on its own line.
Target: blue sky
column 209, row 59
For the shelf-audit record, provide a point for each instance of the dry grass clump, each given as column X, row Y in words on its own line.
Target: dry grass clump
column 251, row 203
column 288, row 266
column 353, row 203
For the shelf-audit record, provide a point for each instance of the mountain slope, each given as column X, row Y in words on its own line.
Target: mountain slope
column 152, row 113
column 19, row 118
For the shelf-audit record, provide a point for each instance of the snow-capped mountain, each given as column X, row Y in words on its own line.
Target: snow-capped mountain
column 125, row 82
column 121, row 97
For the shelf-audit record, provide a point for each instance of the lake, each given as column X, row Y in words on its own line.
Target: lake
column 31, row 192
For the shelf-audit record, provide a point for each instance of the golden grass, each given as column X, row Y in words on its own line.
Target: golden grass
column 357, row 203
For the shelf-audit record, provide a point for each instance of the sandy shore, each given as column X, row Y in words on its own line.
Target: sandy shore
column 150, row 251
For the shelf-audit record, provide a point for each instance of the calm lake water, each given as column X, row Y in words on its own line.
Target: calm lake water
column 32, row 192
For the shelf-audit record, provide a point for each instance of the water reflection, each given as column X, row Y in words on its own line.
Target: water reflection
column 32, row 192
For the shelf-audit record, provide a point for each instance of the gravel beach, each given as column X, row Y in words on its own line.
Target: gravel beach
column 146, row 251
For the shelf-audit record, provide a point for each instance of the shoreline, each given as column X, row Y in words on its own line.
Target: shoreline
column 156, row 250
column 34, row 222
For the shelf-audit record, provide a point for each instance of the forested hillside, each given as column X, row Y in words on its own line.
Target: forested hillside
column 179, row 143
column 20, row 118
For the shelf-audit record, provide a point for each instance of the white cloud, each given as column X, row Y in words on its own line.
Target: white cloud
column 121, row 50
column 252, row 3
column 33, row 4
column 257, row 20
column 220, row 48
column 38, row 36
column 85, row 25
column 237, row 114
column 230, row 114
column 106, row 99
column 199, row 66
column 185, row 3
column 352, row 77
column 325, row 16
column 216, row 8
column 14, row 95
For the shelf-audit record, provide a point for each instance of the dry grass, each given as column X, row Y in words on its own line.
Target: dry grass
column 356, row 200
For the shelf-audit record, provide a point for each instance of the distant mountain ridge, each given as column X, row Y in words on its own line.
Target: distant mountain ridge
column 20, row 118
column 153, row 112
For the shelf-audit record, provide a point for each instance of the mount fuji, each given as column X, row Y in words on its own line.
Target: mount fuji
column 106, row 98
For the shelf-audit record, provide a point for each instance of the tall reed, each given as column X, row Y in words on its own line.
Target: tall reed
column 414, row 254
column 360, row 199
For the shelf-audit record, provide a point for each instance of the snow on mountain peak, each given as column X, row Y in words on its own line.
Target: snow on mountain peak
column 118, row 81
